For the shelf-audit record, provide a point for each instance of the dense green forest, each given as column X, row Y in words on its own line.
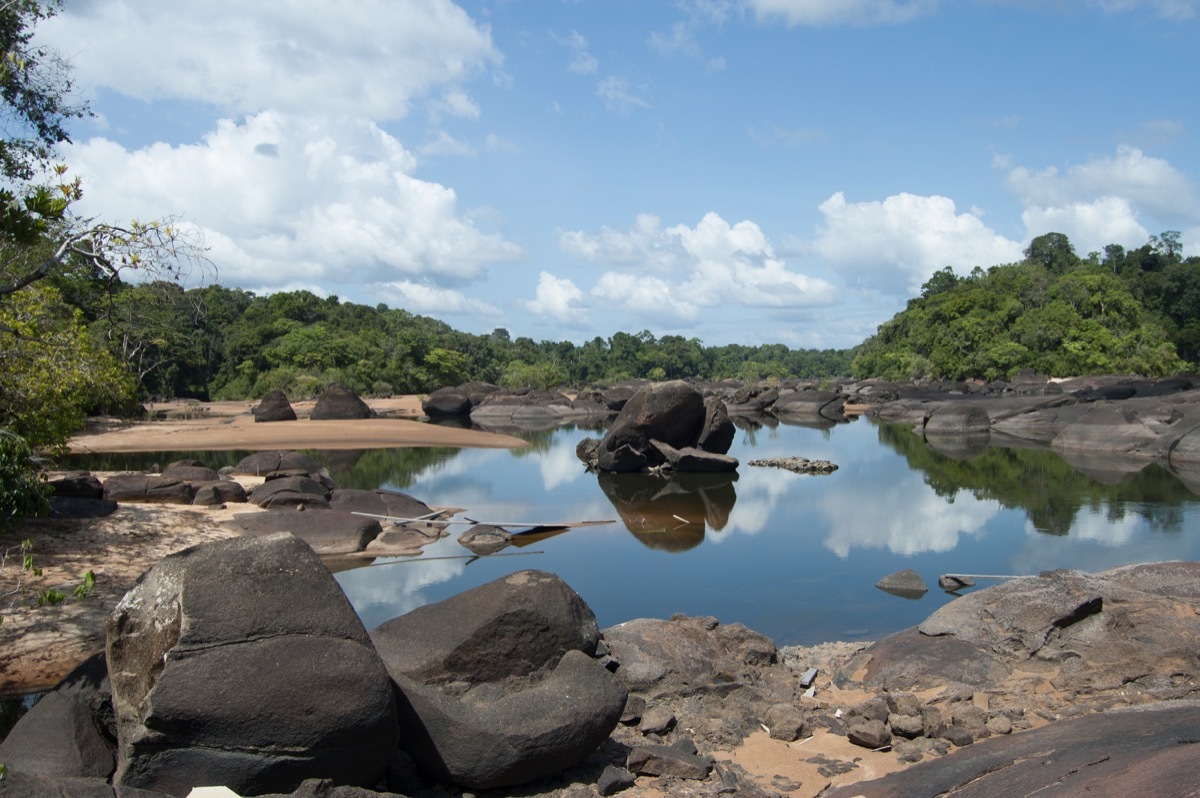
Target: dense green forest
column 1117, row 312
column 221, row 343
column 1135, row 311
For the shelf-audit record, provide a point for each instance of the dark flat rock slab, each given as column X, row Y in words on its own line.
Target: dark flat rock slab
column 1148, row 751
column 326, row 531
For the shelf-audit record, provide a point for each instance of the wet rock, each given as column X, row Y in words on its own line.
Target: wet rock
column 905, row 584
column 797, row 465
column 485, row 539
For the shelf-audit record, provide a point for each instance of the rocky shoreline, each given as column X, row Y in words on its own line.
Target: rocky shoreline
column 683, row 706
column 1094, row 677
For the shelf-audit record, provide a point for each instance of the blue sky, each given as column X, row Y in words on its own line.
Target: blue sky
column 739, row 171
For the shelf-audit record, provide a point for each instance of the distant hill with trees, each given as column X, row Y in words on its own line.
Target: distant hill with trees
column 1116, row 312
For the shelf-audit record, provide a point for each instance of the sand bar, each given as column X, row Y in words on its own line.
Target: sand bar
column 229, row 426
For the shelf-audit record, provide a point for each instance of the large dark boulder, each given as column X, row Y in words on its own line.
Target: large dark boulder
column 718, row 431
column 242, row 663
column 274, row 407
column 497, row 686
column 673, row 414
column 339, row 402
column 513, row 626
column 70, row 732
column 445, row 402
column 77, row 485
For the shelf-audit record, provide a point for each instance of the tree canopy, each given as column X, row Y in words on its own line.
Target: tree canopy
column 1131, row 312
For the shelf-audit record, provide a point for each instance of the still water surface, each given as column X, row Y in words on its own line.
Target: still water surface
column 794, row 557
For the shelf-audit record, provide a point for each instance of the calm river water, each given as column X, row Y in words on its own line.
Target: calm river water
column 794, row 557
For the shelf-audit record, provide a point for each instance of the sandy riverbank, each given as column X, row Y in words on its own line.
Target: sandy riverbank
column 228, row 425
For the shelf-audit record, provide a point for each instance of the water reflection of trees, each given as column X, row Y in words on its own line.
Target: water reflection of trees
column 1049, row 490
column 671, row 513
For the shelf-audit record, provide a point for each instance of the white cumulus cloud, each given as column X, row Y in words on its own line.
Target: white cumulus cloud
column 371, row 57
column 556, row 299
column 897, row 243
column 1149, row 183
column 282, row 198
column 680, row 269
column 841, row 12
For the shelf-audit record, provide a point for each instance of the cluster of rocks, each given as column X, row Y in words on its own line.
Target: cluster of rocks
column 669, row 426
column 342, row 521
column 241, row 663
column 337, row 402
column 491, row 407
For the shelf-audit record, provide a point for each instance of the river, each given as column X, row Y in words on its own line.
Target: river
column 795, row 557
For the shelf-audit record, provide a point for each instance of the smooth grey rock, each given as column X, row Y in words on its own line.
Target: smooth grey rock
column 69, row 732
column 906, row 584
column 326, row 531
column 446, row 402
column 485, row 539
column 378, row 502
column 77, row 484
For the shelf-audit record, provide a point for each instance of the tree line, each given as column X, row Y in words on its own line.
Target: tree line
column 215, row 343
column 1117, row 312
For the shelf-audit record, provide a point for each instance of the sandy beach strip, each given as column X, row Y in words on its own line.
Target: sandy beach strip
column 229, row 426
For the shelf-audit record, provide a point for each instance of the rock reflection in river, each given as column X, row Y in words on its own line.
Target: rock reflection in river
column 671, row 513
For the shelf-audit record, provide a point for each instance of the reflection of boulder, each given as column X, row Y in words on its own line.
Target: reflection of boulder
column 671, row 514
column 962, row 446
